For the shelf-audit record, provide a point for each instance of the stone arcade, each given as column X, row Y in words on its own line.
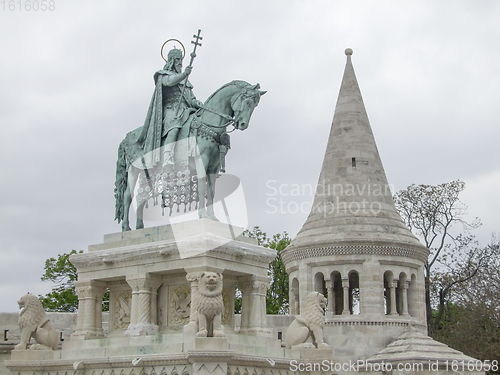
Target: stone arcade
column 353, row 247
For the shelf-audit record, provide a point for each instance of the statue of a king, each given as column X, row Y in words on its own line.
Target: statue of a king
column 167, row 112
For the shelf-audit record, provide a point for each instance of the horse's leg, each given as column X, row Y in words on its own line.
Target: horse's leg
column 133, row 174
column 202, row 192
column 127, row 200
column 140, row 216
column 211, row 178
column 210, row 164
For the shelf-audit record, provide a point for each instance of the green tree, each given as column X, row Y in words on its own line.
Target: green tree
column 277, row 298
column 63, row 274
column 433, row 213
column 471, row 318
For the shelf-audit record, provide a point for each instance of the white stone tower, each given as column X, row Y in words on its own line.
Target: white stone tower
column 354, row 247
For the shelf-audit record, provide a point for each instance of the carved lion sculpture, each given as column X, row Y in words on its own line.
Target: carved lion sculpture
column 34, row 323
column 308, row 324
column 209, row 305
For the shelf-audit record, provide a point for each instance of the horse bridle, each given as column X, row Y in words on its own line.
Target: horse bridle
column 224, row 116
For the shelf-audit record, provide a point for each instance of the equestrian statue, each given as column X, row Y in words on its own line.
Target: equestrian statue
column 177, row 155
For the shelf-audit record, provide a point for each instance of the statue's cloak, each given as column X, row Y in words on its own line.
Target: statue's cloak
column 151, row 133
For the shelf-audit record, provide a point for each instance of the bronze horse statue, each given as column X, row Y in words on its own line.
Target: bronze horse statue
column 232, row 104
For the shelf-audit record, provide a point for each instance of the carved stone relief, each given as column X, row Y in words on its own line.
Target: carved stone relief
column 123, row 303
column 180, row 304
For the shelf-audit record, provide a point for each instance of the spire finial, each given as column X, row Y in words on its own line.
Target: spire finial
column 348, row 51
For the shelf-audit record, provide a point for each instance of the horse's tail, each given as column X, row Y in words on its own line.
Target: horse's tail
column 120, row 181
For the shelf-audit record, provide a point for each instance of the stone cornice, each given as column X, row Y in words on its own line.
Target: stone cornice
column 291, row 254
column 162, row 250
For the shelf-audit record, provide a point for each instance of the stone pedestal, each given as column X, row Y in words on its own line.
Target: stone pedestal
column 33, row 355
column 312, row 354
column 151, row 275
column 210, row 343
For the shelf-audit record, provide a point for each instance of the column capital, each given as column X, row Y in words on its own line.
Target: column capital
column 90, row 289
column 260, row 287
column 345, row 283
column 144, row 282
column 244, row 286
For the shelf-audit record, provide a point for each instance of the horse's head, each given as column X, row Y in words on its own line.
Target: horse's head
column 243, row 105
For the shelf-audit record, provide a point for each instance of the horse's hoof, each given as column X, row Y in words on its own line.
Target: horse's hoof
column 126, row 229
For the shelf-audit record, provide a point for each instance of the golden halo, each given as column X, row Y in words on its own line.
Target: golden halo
column 175, row 40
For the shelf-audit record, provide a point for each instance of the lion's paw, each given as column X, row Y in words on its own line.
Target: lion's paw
column 218, row 333
column 202, row 333
column 323, row 345
column 20, row 346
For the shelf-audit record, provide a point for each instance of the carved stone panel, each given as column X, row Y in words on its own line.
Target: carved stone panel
column 122, row 311
column 180, row 304
column 226, row 299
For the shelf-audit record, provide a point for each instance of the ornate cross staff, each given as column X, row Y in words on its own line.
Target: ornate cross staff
column 193, row 55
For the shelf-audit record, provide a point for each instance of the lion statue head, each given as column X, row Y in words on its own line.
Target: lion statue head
column 34, row 323
column 210, row 284
column 314, row 308
column 32, row 312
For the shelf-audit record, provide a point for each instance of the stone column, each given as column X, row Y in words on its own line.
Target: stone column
column 404, row 295
column 331, row 298
column 193, row 278
column 80, row 291
column 89, row 320
column 99, row 293
column 257, row 318
column 141, row 316
column 258, row 304
column 393, row 287
column 345, row 287
column 245, row 288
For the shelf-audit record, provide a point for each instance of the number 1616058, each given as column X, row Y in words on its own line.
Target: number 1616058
column 28, row 5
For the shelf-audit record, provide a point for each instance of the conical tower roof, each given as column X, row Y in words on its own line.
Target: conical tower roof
column 353, row 203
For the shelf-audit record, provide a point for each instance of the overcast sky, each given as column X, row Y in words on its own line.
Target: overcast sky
column 74, row 80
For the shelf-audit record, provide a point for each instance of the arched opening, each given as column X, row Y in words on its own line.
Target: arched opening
column 337, row 297
column 294, row 297
column 354, row 301
column 319, row 284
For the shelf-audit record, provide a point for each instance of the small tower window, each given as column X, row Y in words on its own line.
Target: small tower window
column 354, row 162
